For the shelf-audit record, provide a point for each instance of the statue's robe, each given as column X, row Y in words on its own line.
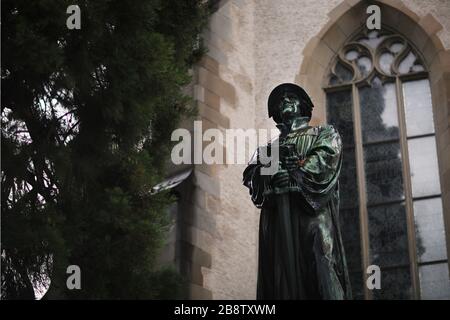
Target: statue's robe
column 319, row 258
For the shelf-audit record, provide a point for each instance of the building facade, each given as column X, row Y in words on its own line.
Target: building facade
column 388, row 93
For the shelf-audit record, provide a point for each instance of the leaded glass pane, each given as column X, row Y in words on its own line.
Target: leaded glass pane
column 407, row 63
column 430, row 233
column 386, row 60
column 396, row 47
column 388, row 235
column 347, row 180
column 395, row 285
column 349, row 219
column 424, row 166
column 334, row 80
column 434, row 281
column 418, row 108
column 417, row 68
column 364, row 65
column 343, row 73
column 340, row 114
column 383, row 166
column 373, row 39
column 356, row 281
column 351, row 55
column 379, row 112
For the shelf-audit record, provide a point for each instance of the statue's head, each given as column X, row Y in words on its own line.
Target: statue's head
column 287, row 102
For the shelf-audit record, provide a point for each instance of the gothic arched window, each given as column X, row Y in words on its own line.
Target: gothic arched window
column 378, row 97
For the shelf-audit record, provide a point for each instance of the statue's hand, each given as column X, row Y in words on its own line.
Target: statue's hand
column 280, row 179
column 292, row 163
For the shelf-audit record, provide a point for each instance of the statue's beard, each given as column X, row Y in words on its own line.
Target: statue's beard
column 289, row 115
column 287, row 121
column 292, row 123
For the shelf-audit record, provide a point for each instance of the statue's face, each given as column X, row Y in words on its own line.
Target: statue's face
column 290, row 107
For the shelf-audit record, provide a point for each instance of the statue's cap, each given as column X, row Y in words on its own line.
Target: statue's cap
column 277, row 94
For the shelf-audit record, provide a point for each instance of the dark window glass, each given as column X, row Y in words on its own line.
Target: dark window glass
column 384, row 181
column 356, row 281
column 347, row 180
column 343, row 73
column 388, row 235
column 395, row 285
column 349, row 219
column 340, row 114
column 379, row 119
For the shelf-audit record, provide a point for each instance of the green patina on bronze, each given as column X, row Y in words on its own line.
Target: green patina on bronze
column 301, row 255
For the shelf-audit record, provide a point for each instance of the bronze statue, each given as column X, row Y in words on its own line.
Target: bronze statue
column 301, row 255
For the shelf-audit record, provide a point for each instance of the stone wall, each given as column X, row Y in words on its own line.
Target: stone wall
column 223, row 91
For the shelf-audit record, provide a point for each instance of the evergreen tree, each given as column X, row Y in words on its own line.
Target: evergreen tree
column 86, row 122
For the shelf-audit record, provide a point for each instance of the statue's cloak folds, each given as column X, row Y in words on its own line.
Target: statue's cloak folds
column 319, row 258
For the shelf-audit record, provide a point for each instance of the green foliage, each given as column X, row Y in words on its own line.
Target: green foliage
column 86, row 122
